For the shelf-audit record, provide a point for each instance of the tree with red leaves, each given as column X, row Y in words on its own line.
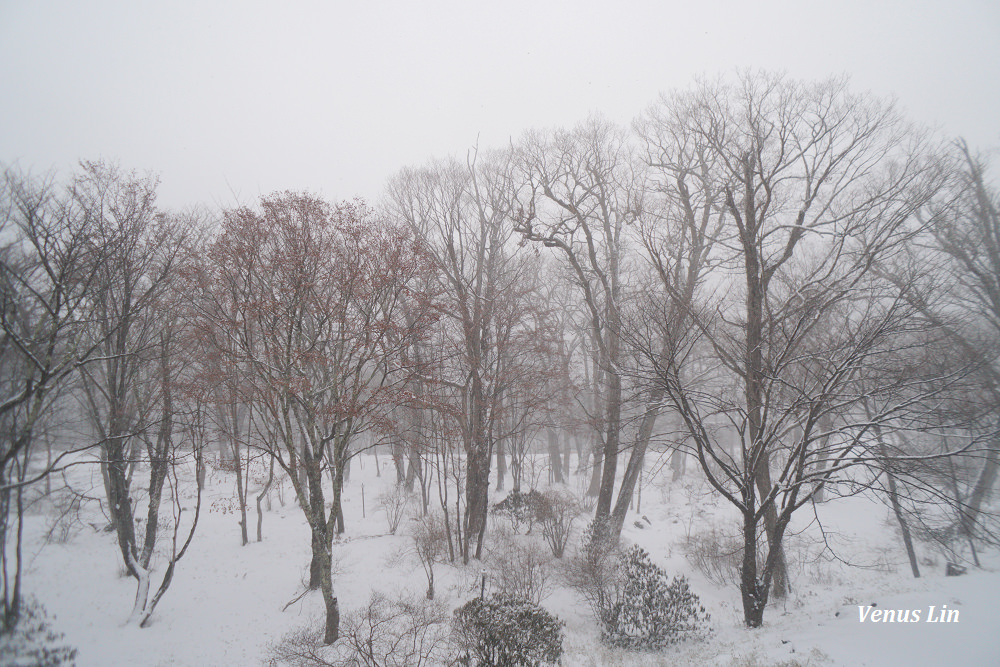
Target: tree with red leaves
column 317, row 326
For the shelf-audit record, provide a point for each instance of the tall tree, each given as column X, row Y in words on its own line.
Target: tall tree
column 327, row 284
column 129, row 390
column 45, row 291
column 462, row 212
column 816, row 185
column 585, row 188
column 682, row 220
column 953, row 274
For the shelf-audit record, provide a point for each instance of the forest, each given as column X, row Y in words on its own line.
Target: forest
column 763, row 300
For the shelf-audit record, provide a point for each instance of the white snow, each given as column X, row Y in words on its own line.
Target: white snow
column 225, row 604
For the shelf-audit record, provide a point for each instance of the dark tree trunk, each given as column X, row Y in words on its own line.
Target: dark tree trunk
column 331, row 630
column 555, row 461
column 567, row 450
column 501, row 464
column 120, row 504
column 634, row 467
column 753, row 592
column 414, row 470
column 611, row 446
column 478, row 453
column 596, row 457
column 317, row 519
column 780, row 575
column 398, row 454
column 477, row 503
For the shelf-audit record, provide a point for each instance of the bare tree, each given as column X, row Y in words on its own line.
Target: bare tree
column 682, row 220
column 128, row 391
column 327, row 284
column 93, row 270
column 585, row 188
column 463, row 213
column 816, row 185
column 951, row 271
column 45, row 288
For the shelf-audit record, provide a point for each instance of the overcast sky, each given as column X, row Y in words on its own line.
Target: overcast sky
column 230, row 100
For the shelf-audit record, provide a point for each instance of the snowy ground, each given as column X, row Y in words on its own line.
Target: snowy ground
column 225, row 605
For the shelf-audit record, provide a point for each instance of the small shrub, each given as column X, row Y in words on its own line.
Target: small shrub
column 592, row 571
column 65, row 518
column 519, row 567
column 523, row 508
column 396, row 632
column 716, row 555
column 557, row 521
column 430, row 544
column 646, row 610
column 719, row 556
column 224, row 463
column 753, row 659
column 33, row 642
column 504, row 631
column 393, row 502
column 637, row 605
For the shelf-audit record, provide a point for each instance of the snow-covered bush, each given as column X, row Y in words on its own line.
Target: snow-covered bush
column 32, row 642
column 637, row 605
column 522, row 508
column 506, row 631
column 557, row 521
column 519, row 567
column 646, row 609
column 389, row 632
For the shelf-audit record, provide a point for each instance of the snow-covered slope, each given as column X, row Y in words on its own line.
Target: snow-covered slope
column 227, row 602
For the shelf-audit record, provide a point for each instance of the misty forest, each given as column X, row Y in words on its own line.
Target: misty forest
column 675, row 392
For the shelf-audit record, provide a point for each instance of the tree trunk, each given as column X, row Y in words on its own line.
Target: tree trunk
column 260, row 497
column 754, row 594
column 477, row 465
column 634, row 467
column 501, row 464
column 754, row 364
column 897, row 509
column 120, row 505
column 596, row 457
column 414, row 470
column 241, row 499
column 338, row 504
column 567, row 451
column 477, row 502
column 332, row 627
column 611, row 446
column 398, row 461
column 904, row 528
column 317, row 521
column 555, row 461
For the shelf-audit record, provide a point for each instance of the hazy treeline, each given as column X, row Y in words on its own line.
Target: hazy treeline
column 781, row 282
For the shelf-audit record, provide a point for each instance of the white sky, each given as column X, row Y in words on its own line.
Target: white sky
column 229, row 100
